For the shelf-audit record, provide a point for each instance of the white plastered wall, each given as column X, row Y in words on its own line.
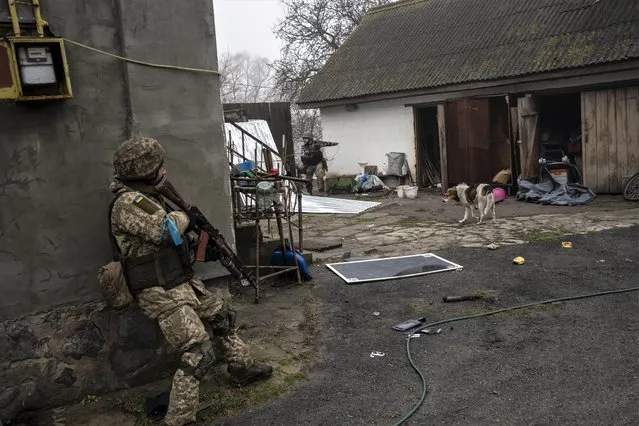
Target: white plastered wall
column 367, row 134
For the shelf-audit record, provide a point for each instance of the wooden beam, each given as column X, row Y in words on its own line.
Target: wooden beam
column 443, row 149
column 589, row 139
column 529, row 137
column 514, row 137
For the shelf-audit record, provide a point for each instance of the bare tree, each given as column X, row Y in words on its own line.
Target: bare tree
column 245, row 78
column 311, row 31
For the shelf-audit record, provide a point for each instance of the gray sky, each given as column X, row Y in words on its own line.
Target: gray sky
column 247, row 25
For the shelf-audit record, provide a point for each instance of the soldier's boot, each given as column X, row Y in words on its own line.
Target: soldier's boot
column 243, row 376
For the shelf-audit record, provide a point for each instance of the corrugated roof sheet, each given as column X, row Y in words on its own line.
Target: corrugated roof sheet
column 419, row 44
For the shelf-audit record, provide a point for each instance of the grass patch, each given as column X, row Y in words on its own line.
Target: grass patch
column 219, row 397
column 131, row 403
column 223, row 400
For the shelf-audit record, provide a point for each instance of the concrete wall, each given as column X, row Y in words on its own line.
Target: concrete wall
column 367, row 134
column 55, row 167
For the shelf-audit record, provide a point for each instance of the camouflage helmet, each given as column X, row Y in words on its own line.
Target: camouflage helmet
column 138, row 158
column 307, row 135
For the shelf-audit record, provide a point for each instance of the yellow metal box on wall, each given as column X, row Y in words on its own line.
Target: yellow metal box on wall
column 34, row 68
column 9, row 86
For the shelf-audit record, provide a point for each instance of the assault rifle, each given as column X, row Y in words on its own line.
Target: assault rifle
column 323, row 144
column 212, row 244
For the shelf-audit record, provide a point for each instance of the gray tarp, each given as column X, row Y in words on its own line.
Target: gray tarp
column 549, row 191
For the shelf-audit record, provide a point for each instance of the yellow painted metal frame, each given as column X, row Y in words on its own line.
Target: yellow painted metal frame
column 37, row 13
column 67, row 91
column 15, row 21
column 15, row 92
column 12, row 92
column 40, row 23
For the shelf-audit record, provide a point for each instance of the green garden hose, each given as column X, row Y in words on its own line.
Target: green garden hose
column 485, row 314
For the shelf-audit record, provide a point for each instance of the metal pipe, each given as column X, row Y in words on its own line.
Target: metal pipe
column 254, row 138
column 15, row 21
column 40, row 23
column 268, row 179
column 299, row 214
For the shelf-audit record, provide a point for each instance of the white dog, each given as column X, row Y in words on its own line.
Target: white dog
column 473, row 196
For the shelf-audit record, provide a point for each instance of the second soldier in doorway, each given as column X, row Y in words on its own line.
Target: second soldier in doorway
column 313, row 161
column 161, row 280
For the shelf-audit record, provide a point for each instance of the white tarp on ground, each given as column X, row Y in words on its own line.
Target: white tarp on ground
column 311, row 204
column 259, row 129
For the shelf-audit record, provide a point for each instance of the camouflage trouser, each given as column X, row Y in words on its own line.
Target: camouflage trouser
column 317, row 170
column 181, row 313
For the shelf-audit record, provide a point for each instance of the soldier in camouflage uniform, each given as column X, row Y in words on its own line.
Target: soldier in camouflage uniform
column 138, row 226
column 313, row 162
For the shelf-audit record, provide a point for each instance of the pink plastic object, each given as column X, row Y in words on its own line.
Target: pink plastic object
column 499, row 194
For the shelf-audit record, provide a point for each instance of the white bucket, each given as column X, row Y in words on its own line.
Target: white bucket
column 401, row 190
column 411, row 192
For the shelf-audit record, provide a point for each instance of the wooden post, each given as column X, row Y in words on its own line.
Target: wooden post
column 300, row 230
column 514, row 132
column 443, row 156
column 529, row 134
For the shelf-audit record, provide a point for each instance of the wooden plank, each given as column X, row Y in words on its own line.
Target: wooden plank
column 589, row 139
column 452, row 147
column 530, row 137
column 582, row 110
column 443, row 151
column 419, row 157
column 521, row 141
column 621, row 132
column 482, row 162
column 613, row 168
column 514, row 124
column 632, row 119
column 603, row 141
column 499, row 155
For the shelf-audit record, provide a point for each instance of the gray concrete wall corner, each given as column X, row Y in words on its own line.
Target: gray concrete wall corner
column 182, row 109
column 55, row 167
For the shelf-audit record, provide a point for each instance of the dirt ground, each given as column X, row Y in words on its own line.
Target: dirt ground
column 566, row 363
column 287, row 328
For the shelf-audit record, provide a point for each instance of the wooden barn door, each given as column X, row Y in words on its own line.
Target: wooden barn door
column 610, row 138
column 468, row 141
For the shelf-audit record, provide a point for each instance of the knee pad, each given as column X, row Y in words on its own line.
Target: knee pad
column 198, row 360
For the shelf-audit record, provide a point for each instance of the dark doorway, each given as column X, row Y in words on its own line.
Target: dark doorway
column 560, row 126
column 427, row 146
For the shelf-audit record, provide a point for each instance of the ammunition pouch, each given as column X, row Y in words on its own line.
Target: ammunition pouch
column 167, row 268
column 113, row 285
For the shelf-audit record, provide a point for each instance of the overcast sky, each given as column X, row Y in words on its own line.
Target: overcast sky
column 247, row 25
